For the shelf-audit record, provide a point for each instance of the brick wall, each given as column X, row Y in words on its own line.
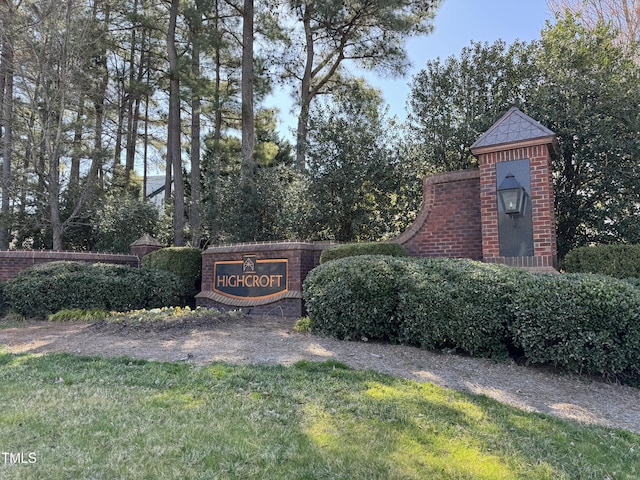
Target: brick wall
column 12, row 262
column 542, row 202
column 449, row 222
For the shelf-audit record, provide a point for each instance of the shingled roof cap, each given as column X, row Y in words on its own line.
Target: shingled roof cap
column 512, row 129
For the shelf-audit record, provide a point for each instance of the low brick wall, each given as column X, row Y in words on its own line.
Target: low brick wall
column 300, row 257
column 12, row 262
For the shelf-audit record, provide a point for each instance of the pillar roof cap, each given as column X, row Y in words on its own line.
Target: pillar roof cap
column 514, row 129
column 147, row 241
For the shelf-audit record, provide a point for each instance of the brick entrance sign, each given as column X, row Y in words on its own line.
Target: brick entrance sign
column 260, row 278
column 502, row 212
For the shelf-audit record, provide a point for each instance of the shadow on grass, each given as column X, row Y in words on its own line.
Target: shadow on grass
column 92, row 417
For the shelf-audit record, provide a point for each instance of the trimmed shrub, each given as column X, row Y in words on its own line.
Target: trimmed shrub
column 51, row 287
column 185, row 262
column 583, row 323
column 335, row 252
column 459, row 305
column 619, row 261
column 355, row 298
column 579, row 322
column 434, row 303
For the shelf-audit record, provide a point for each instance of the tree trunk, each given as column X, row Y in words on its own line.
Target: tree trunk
column 194, row 210
column 217, row 135
column 248, row 126
column 74, row 173
column 247, row 216
column 305, row 93
column 132, row 96
column 6, row 121
column 173, row 133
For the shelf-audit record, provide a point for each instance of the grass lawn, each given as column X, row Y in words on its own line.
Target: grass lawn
column 70, row 417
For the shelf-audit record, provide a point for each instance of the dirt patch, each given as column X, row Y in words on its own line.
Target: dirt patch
column 272, row 340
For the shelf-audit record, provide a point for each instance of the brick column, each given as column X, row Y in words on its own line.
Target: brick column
column 542, row 200
column 518, row 137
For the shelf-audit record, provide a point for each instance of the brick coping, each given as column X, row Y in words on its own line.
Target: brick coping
column 269, row 246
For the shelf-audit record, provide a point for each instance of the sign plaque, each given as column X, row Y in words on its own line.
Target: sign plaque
column 250, row 278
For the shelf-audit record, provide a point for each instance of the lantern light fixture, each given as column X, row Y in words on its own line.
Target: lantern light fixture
column 512, row 195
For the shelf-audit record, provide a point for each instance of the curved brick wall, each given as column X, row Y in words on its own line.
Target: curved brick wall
column 449, row 222
column 12, row 262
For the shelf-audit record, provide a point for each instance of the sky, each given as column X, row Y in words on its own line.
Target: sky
column 457, row 23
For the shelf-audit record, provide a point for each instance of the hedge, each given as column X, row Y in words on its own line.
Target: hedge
column 335, row 252
column 185, row 262
column 355, row 298
column 459, row 305
column 433, row 303
column 619, row 261
column 579, row 322
column 50, row 287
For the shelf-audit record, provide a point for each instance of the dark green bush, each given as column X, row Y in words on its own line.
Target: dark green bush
column 355, row 298
column 459, row 305
column 433, row 303
column 50, row 287
column 335, row 252
column 619, row 261
column 580, row 322
column 185, row 262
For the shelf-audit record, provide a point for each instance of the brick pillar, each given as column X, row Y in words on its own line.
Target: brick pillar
column 144, row 246
column 518, row 138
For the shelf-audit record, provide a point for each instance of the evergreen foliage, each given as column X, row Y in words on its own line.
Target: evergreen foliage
column 51, row 287
column 366, row 248
column 184, row 262
column 619, row 261
column 582, row 323
column 578, row 82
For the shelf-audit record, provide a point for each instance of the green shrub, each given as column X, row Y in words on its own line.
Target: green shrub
column 355, row 298
column 434, row 303
column 185, row 262
column 619, row 261
column 580, row 322
column 50, row 287
column 335, row 252
column 459, row 305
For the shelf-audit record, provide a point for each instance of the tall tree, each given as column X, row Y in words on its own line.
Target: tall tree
column 588, row 92
column 370, row 34
column 579, row 82
column 454, row 101
column 7, row 12
column 194, row 17
column 352, row 167
column 247, row 173
column 174, row 158
column 52, row 78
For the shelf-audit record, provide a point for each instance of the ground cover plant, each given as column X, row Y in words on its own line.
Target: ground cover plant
column 90, row 417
